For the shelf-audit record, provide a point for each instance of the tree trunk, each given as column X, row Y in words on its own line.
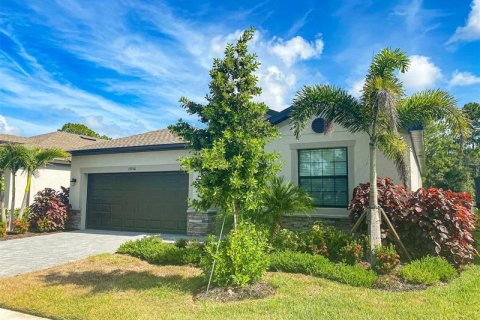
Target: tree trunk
column 25, row 196
column 2, row 199
column 235, row 215
column 12, row 206
column 373, row 212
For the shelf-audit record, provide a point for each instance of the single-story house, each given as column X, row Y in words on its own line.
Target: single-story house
column 136, row 183
column 55, row 174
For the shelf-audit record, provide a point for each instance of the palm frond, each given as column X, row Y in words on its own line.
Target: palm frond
column 386, row 62
column 14, row 157
column 395, row 149
column 44, row 156
column 381, row 75
column 428, row 106
column 332, row 103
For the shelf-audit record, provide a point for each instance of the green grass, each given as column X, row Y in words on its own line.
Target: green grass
column 122, row 287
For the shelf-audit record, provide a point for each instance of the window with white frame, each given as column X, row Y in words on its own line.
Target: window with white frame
column 323, row 173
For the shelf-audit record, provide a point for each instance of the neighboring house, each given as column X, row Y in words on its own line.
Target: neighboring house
column 135, row 183
column 55, row 174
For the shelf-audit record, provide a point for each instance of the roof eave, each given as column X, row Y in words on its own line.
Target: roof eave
column 131, row 149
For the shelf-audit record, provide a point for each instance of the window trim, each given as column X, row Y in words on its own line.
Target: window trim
column 322, row 177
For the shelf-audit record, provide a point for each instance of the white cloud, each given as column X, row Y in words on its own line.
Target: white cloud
column 5, row 127
column 471, row 31
column 422, row 73
column 463, row 79
column 276, row 87
column 296, row 49
column 356, row 88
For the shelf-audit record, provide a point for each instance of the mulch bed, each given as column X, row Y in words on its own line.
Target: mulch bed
column 25, row 235
column 258, row 290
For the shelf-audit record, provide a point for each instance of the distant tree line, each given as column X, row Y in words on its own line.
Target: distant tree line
column 454, row 163
column 81, row 129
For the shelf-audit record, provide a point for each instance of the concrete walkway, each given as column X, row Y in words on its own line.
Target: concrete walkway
column 13, row 315
column 40, row 252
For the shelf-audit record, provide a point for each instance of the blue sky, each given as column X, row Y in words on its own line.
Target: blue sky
column 121, row 66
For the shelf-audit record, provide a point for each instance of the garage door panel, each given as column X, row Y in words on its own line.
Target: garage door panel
column 155, row 202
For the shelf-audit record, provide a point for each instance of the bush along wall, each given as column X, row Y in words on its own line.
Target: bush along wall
column 429, row 221
column 49, row 210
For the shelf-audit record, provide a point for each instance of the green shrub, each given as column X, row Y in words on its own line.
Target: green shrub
column 20, row 226
column 428, row 270
column 386, row 258
column 153, row 250
column 193, row 252
column 286, row 239
column 352, row 252
column 316, row 265
column 3, row 229
column 241, row 259
column 181, row 243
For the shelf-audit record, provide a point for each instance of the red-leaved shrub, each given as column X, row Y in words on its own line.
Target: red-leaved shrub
column 48, row 211
column 429, row 221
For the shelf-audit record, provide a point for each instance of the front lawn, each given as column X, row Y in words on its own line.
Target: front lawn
column 122, row 287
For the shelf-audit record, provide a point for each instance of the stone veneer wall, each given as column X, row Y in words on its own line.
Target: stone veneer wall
column 305, row 222
column 73, row 220
column 200, row 223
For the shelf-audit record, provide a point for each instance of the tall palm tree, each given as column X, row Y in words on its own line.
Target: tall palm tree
column 36, row 159
column 381, row 111
column 13, row 158
column 2, row 192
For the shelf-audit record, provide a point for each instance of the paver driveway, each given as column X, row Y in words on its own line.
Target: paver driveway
column 41, row 252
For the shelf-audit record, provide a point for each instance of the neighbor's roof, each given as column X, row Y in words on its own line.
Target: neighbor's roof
column 53, row 140
column 154, row 140
column 279, row 116
column 10, row 138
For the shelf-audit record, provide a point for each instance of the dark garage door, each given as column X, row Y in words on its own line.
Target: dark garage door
column 149, row 201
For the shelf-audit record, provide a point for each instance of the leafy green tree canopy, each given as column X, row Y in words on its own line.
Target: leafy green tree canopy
column 453, row 163
column 78, row 128
column 229, row 153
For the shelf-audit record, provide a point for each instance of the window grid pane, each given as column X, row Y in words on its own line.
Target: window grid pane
column 323, row 174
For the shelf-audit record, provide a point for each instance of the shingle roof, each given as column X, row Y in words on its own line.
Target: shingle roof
column 58, row 139
column 280, row 116
column 10, row 138
column 162, row 137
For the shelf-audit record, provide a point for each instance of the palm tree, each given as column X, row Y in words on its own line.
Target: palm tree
column 381, row 111
column 13, row 158
column 3, row 152
column 36, row 159
column 282, row 198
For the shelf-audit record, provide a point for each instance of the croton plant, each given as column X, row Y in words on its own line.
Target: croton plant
column 429, row 221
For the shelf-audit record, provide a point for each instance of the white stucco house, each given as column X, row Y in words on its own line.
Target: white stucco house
column 135, row 183
column 54, row 175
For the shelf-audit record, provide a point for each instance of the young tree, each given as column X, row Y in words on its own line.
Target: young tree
column 13, row 158
column 381, row 111
column 36, row 159
column 229, row 152
column 81, row 129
